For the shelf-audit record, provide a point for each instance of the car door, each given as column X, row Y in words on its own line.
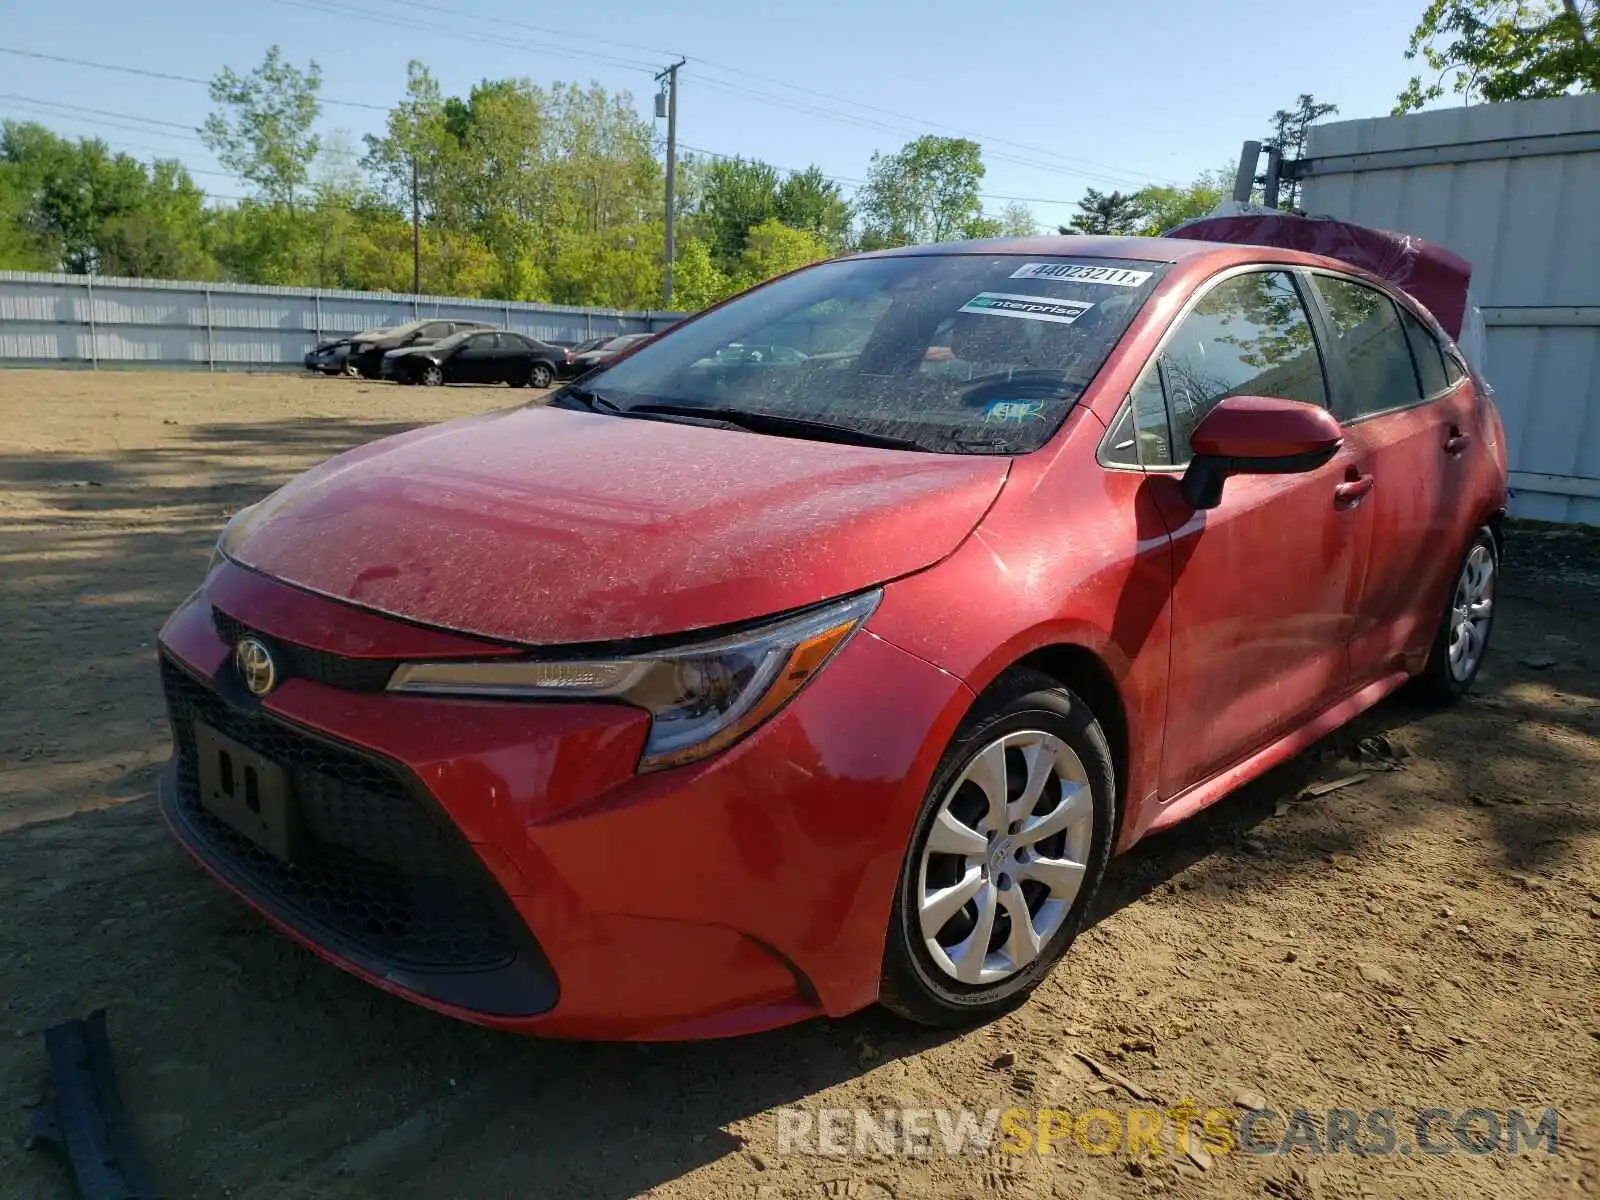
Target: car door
column 1264, row 585
column 1405, row 416
column 475, row 361
column 514, row 360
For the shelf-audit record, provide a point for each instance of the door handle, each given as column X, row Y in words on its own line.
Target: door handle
column 1351, row 490
column 1457, row 441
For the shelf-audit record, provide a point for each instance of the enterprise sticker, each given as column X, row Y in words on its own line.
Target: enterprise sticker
column 1081, row 273
column 1029, row 308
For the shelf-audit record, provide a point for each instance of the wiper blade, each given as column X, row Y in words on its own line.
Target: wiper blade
column 582, row 398
column 779, row 424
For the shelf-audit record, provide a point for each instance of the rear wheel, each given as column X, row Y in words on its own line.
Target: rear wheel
column 1463, row 636
column 1006, row 854
column 541, row 375
column 432, row 375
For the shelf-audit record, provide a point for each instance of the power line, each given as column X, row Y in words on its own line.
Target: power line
column 100, row 66
column 902, row 131
column 916, row 122
column 100, row 112
column 367, row 14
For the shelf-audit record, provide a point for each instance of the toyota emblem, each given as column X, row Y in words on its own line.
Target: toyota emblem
column 254, row 663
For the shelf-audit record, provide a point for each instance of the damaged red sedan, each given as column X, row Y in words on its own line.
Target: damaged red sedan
column 730, row 689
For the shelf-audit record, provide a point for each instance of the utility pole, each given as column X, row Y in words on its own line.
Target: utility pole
column 416, row 231
column 669, row 93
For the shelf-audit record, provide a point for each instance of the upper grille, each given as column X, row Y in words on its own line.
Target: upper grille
column 351, row 674
column 374, row 865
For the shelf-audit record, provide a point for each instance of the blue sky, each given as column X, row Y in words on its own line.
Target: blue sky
column 1084, row 95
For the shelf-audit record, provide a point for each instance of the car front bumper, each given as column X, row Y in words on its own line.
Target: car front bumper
column 503, row 862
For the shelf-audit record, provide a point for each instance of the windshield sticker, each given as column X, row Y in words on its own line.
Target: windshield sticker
column 1082, row 273
column 1029, row 308
column 1015, row 410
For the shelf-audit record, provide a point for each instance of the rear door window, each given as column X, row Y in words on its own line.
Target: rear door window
column 1427, row 354
column 1373, row 344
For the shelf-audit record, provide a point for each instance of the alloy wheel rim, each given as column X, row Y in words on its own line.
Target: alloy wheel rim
column 1471, row 612
column 433, row 376
column 1005, row 858
column 541, row 377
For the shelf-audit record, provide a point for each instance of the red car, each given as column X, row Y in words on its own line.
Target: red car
column 718, row 694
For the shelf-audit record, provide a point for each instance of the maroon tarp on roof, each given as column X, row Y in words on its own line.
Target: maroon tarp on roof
column 1431, row 274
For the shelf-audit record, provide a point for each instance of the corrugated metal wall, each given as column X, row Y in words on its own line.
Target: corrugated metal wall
column 1514, row 189
column 78, row 320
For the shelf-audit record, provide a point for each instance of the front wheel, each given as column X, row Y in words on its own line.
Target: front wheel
column 1005, row 857
column 1463, row 635
column 432, row 375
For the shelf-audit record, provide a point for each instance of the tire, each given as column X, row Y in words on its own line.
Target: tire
column 351, row 371
column 1449, row 675
column 541, row 376
column 1024, row 713
column 432, row 375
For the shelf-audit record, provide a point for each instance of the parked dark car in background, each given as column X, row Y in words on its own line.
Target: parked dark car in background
column 477, row 357
column 366, row 352
column 582, row 362
column 331, row 356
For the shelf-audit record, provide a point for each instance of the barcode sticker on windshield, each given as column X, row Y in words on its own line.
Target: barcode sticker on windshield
column 1029, row 308
column 1081, row 273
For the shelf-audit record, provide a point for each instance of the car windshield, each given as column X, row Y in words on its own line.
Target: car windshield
column 621, row 343
column 962, row 353
column 455, row 339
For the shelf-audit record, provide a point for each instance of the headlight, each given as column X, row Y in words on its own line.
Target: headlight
column 701, row 697
column 237, row 526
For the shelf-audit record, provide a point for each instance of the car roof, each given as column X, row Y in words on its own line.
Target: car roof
column 1165, row 250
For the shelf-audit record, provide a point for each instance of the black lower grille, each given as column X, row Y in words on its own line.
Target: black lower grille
column 334, row 670
column 373, row 866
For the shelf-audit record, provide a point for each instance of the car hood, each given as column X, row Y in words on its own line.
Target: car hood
column 404, row 350
column 546, row 526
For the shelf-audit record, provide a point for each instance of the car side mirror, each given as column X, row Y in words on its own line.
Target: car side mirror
column 1256, row 435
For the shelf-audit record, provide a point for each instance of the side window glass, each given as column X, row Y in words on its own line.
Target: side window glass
column 1248, row 336
column 1150, row 421
column 1453, row 373
column 1121, row 444
column 1425, row 352
column 1373, row 344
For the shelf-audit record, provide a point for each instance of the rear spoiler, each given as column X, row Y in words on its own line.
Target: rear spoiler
column 1431, row 275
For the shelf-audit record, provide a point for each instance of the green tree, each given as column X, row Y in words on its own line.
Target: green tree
column 1107, row 213
column 164, row 236
column 810, row 201
column 773, row 248
column 1291, row 129
column 1017, row 220
column 926, row 192
column 262, row 131
column 739, row 194
column 696, row 280
column 77, row 202
column 1161, row 206
column 416, row 152
column 1505, row 50
column 20, row 250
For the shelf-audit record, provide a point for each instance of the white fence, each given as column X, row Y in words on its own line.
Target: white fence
column 1515, row 190
column 92, row 321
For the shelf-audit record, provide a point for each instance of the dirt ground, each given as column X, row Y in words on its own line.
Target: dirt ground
column 1427, row 937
